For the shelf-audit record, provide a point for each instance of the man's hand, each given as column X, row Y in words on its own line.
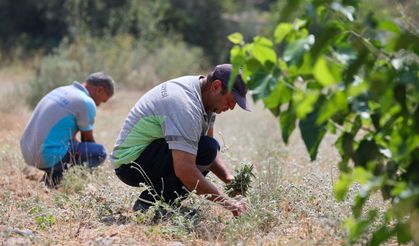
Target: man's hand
column 229, row 178
column 186, row 170
column 236, row 207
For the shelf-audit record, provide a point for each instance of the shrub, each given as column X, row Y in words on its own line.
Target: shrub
column 75, row 179
column 175, row 59
column 123, row 57
column 53, row 71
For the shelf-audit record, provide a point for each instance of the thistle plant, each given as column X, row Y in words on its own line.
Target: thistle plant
column 241, row 182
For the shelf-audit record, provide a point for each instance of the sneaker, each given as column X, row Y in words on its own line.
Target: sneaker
column 141, row 206
column 188, row 212
column 51, row 181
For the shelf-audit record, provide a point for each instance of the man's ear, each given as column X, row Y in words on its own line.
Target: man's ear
column 217, row 86
column 100, row 90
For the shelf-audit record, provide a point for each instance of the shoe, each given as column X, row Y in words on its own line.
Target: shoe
column 51, row 181
column 188, row 212
column 141, row 206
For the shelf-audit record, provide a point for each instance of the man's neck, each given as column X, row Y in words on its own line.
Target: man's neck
column 204, row 92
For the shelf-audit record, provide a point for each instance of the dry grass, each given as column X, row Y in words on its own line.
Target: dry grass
column 291, row 199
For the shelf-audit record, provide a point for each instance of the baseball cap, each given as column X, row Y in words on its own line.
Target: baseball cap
column 222, row 72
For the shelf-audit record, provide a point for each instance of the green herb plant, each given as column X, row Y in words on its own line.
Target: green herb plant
column 241, row 182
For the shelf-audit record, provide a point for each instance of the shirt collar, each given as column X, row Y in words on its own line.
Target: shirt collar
column 81, row 87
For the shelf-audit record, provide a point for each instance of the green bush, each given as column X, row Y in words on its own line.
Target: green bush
column 126, row 59
column 175, row 59
column 332, row 72
column 53, row 71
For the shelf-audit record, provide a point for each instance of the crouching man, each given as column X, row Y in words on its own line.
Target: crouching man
column 167, row 144
column 49, row 141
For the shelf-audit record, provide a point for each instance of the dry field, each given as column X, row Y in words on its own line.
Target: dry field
column 291, row 200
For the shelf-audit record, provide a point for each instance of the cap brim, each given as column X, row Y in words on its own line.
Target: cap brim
column 241, row 101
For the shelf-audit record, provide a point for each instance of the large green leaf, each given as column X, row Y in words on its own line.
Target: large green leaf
column 237, row 59
column 263, row 83
column 281, row 31
column 325, row 37
column 287, row 120
column 357, row 88
column 341, row 186
column 357, row 227
column 282, row 93
column 304, row 102
column 295, row 51
column 389, row 25
column 345, row 146
column 336, row 103
column 263, row 50
column 366, row 151
column 312, row 133
column 236, row 38
column 359, row 202
column 381, row 235
column 322, row 73
column 356, row 65
column 361, row 175
column 408, row 40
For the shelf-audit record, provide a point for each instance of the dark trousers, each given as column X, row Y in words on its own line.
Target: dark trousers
column 78, row 153
column 154, row 168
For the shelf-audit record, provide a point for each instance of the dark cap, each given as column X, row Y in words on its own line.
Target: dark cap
column 222, row 72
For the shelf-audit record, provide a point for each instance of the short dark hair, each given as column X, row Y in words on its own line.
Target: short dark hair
column 211, row 78
column 102, row 79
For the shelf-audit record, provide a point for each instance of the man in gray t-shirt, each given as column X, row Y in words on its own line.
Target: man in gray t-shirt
column 167, row 141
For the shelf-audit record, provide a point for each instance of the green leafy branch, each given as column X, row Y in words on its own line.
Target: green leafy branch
column 330, row 70
column 241, row 182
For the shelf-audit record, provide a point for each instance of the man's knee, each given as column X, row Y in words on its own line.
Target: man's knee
column 95, row 156
column 101, row 154
column 208, row 148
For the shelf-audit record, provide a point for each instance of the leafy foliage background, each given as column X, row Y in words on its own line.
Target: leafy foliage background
column 332, row 71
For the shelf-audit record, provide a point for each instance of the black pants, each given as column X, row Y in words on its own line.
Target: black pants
column 154, row 168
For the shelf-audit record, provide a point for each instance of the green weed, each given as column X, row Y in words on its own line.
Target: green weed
column 75, row 179
column 44, row 221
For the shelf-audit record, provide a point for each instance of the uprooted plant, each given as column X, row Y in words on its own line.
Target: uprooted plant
column 241, row 182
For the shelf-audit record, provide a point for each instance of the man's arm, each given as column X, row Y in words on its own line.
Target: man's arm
column 192, row 178
column 219, row 168
column 87, row 136
column 210, row 132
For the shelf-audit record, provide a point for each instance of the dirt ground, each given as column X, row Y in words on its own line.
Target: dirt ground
column 305, row 214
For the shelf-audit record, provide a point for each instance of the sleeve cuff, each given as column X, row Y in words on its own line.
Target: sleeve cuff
column 183, row 147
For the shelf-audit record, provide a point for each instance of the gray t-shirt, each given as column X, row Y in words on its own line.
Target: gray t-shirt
column 172, row 110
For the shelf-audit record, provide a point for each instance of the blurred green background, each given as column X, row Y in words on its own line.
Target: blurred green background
column 141, row 42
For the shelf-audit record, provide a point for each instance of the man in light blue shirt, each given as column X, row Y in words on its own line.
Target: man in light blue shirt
column 49, row 141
